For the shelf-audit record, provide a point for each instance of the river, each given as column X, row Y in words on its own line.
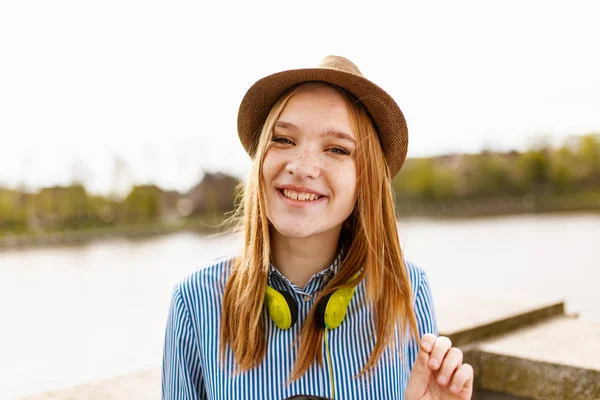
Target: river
column 76, row 314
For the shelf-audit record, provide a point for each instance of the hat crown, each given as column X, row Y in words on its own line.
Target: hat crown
column 341, row 64
column 385, row 113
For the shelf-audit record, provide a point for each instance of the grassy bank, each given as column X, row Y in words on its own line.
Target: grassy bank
column 207, row 224
column 528, row 204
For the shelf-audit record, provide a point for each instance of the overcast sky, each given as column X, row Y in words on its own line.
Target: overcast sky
column 158, row 84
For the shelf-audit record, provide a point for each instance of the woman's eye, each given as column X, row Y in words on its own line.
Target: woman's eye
column 282, row 140
column 339, row 150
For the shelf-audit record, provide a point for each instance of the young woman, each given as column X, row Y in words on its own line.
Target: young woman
column 320, row 301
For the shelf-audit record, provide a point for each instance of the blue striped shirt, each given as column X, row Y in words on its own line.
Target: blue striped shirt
column 191, row 351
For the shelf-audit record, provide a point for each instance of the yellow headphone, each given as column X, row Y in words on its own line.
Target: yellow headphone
column 283, row 309
column 331, row 311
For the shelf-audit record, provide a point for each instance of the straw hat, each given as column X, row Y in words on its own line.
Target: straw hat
column 387, row 116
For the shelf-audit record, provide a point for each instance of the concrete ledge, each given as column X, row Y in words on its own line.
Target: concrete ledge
column 505, row 324
column 487, row 395
column 533, row 379
column 558, row 358
column 562, row 341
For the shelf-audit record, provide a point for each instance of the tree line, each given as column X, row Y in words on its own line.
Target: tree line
column 542, row 170
column 566, row 177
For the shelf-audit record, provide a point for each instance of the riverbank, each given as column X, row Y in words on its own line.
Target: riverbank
column 130, row 231
column 455, row 209
column 503, row 206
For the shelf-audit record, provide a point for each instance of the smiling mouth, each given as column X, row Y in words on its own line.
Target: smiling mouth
column 308, row 197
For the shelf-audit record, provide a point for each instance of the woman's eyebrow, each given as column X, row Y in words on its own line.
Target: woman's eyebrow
column 285, row 125
column 338, row 134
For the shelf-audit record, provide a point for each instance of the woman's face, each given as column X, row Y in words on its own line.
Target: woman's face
column 308, row 170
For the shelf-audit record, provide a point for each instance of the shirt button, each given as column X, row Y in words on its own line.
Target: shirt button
column 307, row 298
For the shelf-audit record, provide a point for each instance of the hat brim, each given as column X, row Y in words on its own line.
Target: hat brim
column 386, row 114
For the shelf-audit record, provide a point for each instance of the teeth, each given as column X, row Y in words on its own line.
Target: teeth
column 300, row 196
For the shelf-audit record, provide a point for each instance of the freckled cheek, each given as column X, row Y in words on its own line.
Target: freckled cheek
column 345, row 182
column 271, row 165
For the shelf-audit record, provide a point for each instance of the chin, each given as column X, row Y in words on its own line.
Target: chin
column 298, row 230
column 289, row 230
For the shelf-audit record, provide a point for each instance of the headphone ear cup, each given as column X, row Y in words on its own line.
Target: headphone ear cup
column 332, row 309
column 321, row 309
column 282, row 308
column 292, row 305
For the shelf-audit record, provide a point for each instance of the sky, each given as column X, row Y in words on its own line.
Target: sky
column 155, row 86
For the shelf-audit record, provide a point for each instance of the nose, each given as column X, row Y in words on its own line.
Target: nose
column 304, row 166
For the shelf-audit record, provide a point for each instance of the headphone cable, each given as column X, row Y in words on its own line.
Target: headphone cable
column 329, row 363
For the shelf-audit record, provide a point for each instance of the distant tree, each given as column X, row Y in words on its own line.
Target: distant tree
column 142, row 203
column 562, row 174
column 12, row 217
column 416, row 180
column 535, row 170
column 589, row 152
column 488, row 175
column 65, row 206
column 425, row 180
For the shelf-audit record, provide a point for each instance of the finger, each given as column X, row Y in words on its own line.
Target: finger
column 427, row 342
column 420, row 376
column 421, row 372
column 422, row 361
column 462, row 379
column 440, row 348
column 451, row 363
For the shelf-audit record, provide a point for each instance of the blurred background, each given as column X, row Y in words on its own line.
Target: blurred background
column 119, row 156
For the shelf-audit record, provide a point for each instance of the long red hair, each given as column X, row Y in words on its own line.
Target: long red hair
column 370, row 239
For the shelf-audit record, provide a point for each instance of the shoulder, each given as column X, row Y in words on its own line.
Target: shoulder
column 417, row 277
column 206, row 283
column 422, row 299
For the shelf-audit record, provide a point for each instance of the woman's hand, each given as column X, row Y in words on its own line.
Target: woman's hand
column 439, row 373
